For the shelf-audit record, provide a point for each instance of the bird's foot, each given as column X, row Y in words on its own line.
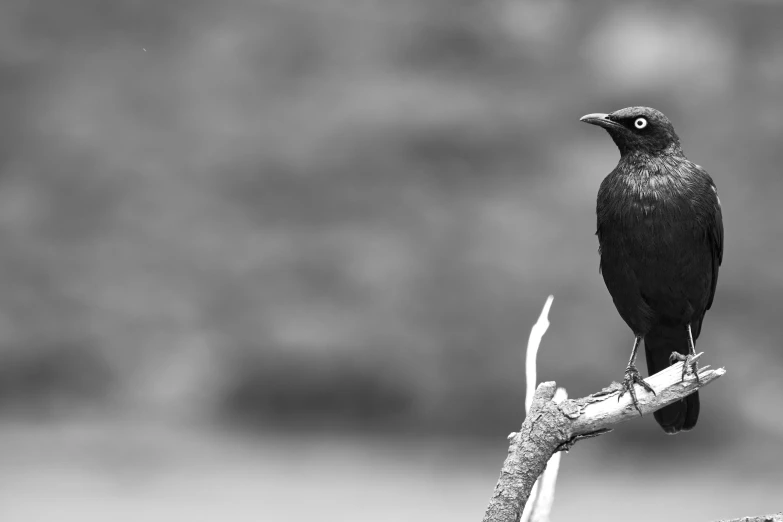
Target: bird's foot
column 690, row 365
column 632, row 377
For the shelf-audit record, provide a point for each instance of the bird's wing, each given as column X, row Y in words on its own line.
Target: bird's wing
column 716, row 241
column 714, row 234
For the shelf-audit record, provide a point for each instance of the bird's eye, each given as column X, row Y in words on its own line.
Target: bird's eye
column 640, row 123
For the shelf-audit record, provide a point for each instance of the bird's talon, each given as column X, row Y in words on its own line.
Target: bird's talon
column 689, row 365
column 632, row 377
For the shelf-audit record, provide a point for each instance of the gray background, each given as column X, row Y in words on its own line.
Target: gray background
column 269, row 260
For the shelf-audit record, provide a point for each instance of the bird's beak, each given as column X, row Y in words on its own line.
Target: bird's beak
column 600, row 119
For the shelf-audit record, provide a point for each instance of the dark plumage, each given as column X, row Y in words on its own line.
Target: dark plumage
column 660, row 237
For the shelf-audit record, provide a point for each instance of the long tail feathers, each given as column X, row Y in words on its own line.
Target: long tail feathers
column 683, row 414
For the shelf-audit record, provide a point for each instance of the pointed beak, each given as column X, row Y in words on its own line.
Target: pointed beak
column 600, row 119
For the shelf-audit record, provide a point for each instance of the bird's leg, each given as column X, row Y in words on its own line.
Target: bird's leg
column 688, row 363
column 632, row 377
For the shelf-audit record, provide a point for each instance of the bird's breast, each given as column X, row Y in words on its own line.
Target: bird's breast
column 648, row 202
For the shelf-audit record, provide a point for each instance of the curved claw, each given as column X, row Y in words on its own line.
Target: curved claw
column 689, row 364
column 632, row 377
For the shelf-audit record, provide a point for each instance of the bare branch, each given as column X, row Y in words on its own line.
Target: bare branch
column 527, row 459
column 597, row 413
column 546, row 492
column 536, row 510
column 533, row 342
column 550, row 427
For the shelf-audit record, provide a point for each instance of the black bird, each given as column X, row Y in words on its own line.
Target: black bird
column 660, row 240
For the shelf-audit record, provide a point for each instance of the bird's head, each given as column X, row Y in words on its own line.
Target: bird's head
column 638, row 129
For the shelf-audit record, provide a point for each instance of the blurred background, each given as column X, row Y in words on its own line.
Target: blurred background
column 275, row 259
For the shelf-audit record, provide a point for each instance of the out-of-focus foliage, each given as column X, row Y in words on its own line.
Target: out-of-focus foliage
column 336, row 212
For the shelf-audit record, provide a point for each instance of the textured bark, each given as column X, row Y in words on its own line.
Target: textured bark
column 550, row 427
column 528, row 455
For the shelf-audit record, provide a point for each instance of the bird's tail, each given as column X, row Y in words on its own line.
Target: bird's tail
column 658, row 346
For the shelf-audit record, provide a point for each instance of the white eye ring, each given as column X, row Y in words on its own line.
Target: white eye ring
column 640, row 123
